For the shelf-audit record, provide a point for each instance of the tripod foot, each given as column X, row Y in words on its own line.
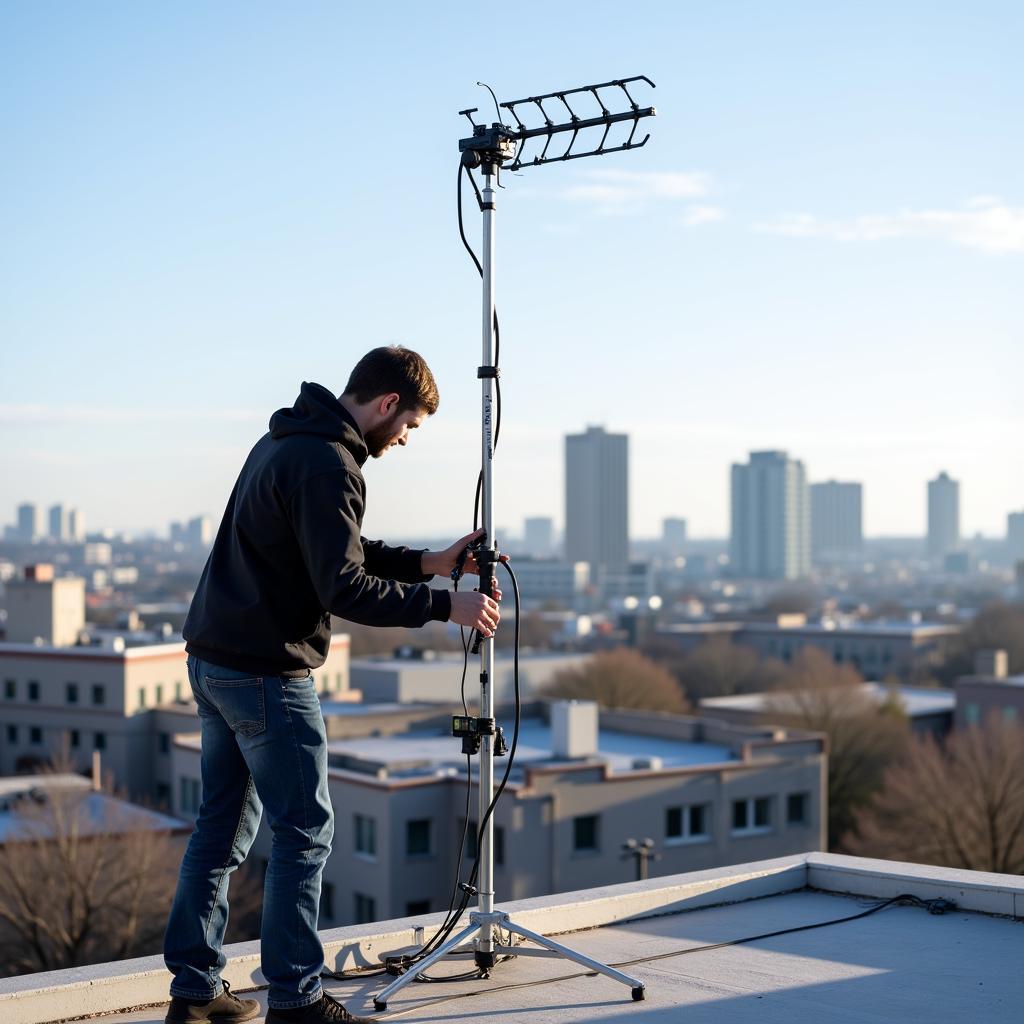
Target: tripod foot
column 638, row 994
column 381, row 1004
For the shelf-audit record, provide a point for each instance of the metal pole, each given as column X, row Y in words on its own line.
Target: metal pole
column 485, row 943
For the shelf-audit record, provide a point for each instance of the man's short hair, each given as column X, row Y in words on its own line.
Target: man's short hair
column 398, row 369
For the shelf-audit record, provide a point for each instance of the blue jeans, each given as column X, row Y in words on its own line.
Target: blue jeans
column 264, row 746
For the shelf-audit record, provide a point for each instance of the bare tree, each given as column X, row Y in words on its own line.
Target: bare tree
column 959, row 805
column 864, row 738
column 997, row 625
column 621, row 678
column 718, row 668
column 81, row 882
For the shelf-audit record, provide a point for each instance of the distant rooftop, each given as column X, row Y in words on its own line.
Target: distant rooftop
column 97, row 813
column 898, row 964
column 428, row 753
column 915, row 700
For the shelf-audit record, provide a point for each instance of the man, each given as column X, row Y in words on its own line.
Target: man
column 288, row 555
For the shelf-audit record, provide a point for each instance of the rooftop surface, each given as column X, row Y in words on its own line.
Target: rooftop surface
column 916, row 700
column 429, row 751
column 899, row 964
column 95, row 812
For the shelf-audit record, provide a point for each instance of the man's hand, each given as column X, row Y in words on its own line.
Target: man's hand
column 441, row 563
column 475, row 610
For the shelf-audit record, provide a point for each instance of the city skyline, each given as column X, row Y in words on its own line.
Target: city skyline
column 780, row 268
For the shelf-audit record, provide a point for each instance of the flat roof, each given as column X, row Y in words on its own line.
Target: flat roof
column 419, row 752
column 916, row 700
column 96, row 813
column 449, row 659
column 900, row 963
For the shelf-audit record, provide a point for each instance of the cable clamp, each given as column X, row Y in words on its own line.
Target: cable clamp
column 488, row 371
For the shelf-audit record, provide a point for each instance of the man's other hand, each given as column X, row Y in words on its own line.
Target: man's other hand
column 475, row 610
column 441, row 563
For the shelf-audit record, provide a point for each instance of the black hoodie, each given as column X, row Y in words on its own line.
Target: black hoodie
column 289, row 553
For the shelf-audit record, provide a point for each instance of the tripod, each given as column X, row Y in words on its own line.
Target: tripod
column 489, row 149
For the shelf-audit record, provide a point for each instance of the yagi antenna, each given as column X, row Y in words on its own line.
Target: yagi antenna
column 586, row 115
column 543, row 117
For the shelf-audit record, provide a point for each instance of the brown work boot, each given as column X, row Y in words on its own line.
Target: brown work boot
column 327, row 1011
column 227, row 1008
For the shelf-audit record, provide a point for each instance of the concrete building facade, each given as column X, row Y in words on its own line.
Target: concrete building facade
column 597, row 500
column 770, row 535
column 837, row 531
column 707, row 793
column 877, row 650
column 943, row 515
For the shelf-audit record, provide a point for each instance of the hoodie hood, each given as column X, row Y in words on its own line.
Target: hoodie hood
column 318, row 413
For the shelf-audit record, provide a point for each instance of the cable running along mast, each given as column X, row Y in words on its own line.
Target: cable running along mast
column 491, row 148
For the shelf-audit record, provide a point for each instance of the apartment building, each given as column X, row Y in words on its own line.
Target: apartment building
column 706, row 792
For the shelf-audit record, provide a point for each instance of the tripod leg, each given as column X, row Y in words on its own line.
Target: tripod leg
column 635, row 986
column 380, row 1002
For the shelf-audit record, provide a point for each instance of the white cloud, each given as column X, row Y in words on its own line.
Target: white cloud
column 701, row 215
column 617, row 187
column 985, row 222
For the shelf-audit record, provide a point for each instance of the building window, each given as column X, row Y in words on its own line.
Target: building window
column 327, row 900
column 75, row 739
column 165, row 742
column 1009, row 713
column 158, row 693
column 99, row 693
column 752, row 816
column 365, row 908
column 365, row 835
column 796, row 808
column 99, row 741
column 35, row 735
column 585, row 833
column 417, row 837
column 177, row 691
column 473, row 834
column 12, row 734
column 341, row 680
column 163, row 794
column 972, row 714
column 687, row 824
column 33, row 690
column 416, row 908
column 142, row 696
column 72, row 693
column 10, row 689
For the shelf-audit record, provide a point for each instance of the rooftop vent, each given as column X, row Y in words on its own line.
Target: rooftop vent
column 647, row 764
column 574, row 728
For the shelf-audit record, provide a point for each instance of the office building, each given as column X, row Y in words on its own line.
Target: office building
column 58, row 523
column 673, row 536
column 990, row 692
column 550, row 581
column 539, row 536
column 943, row 515
column 597, row 500
column 771, row 531
column 1015, row 536
column 29, row 526
column 707, row 792
column 907, row 650
column 76, row 525
column 836, row 521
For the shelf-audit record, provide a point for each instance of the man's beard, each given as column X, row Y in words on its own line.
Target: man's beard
column 379, row 438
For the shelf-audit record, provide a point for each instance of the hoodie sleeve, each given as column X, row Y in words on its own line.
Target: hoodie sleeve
column 325, row 512
column 402, row 564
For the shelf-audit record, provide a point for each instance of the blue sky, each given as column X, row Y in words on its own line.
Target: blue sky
column 821, row 249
